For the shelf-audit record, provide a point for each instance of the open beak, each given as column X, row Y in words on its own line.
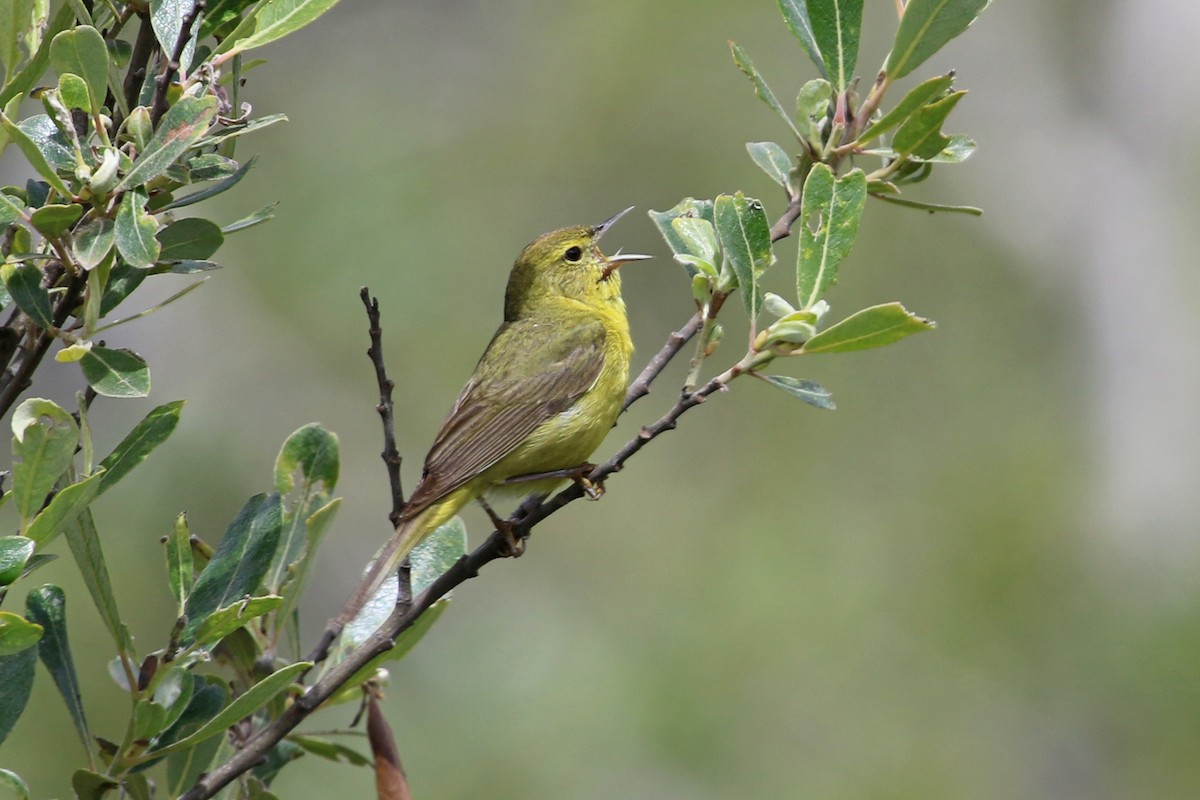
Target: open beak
column 617, row 259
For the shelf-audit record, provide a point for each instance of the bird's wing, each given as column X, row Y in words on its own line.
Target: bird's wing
column 545, row 370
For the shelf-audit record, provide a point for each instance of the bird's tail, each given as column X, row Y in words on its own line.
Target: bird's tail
column 409, row 533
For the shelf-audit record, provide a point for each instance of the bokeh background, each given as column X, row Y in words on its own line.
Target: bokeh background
column 977, row 578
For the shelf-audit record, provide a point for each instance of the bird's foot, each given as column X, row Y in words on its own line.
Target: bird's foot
column 593, row 490
column 514, row 545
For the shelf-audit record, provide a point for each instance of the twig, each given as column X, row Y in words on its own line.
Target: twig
column 139, row 60
column 13, row 383
column 675, row 342
column 163, row 81
column 390, row 455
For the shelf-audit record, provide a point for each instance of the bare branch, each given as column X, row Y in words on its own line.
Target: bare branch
column 163, row 82
column 390, row 455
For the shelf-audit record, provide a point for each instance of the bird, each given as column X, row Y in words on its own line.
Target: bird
column 548, row 388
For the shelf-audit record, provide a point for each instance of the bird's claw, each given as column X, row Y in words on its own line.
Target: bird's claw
column 513, row 545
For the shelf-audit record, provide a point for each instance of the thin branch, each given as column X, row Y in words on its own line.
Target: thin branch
column 390, row 455
column 163, row 81
column 139, row 60
column 13, row 383
column 675, row 342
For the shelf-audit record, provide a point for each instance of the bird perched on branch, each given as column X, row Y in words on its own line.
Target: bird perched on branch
column 541, row 400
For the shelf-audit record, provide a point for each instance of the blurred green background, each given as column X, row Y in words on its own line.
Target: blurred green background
column 977, row 578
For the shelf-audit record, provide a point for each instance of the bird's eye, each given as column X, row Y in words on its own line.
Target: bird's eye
column 573, row 254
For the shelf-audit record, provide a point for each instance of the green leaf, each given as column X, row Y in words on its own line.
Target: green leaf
column 771, row 159
column 240, row 561
column 154, row 428
column 926, row 26
column 122, row 281
column 810, row 392
column 91, row 785
column 67, row 504
column 81, row 51
column 795, row 14
column 12, row 208
column 211, row 167
column 211, row 191
column 24, row 284
column 149, row 719
column 958, row 150
column 47, row 606
column 183, row 124
column 745, row 237
column 44, row 439
column 255, row 698
column 836, row 26
column 135, row 231
column 233, row 131
column 74, row 92
column 208, row 697
column 20, row 24
column 871, row 327
column 84, row 541
column 264, row 214
column 312, row 451
column 14, row 555
column 94, row 241
column 918, row 96
column 180, row 564
column 50, row 142
column 222, row 14
column 33, row 153
column 930, row 207
column 116, row 373
column 17, row 633
column 921, row 134
column 29, row 75
column 760, row 86
column 166, row 17
column 224, row 621
column 53, row 220
column 300, row 564
column 687, row 208
column 13, row 782
column 330, row 750
column 193, row 238
column 16, row 682
column 272, row 20
column 835, row 206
